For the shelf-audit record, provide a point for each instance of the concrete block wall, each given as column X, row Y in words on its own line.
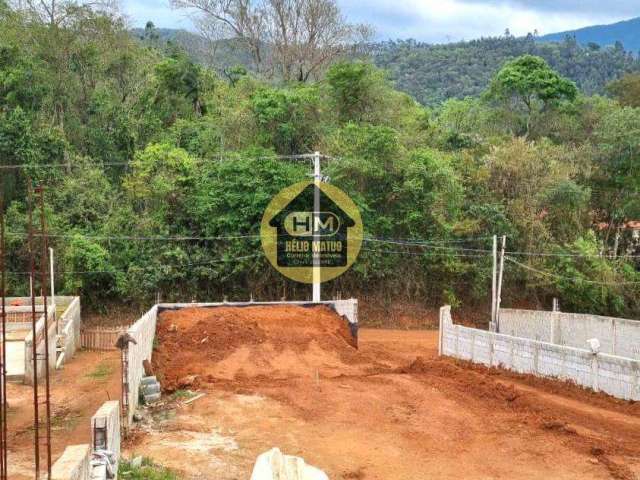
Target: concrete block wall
column 617, row 336
column 71, row 321
column 346, row 308
column 28, row 349
column 143, row 332
column 617, row 376
column 108, row 416
column 74, row 464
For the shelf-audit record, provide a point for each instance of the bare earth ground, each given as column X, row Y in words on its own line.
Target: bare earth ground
column 78, row 391
column 391, row 410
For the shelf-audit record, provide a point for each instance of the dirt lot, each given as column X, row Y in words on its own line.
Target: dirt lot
column 78, row 391
column 391, row 410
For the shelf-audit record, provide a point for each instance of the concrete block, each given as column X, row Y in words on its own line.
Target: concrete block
column 151, row 398
column 150, row 388
column 148, row 380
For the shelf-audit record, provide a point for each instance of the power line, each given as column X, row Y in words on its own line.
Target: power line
column 560, row 277
column 425, row 245
column 142, row 238
column 303, row 157
column 149, row 267
column 425, row 254
column 571, row 255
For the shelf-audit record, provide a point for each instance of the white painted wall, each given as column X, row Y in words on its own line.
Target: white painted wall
column 617, row 376
column 143, row 332
column 617, row 336
column 70, row 322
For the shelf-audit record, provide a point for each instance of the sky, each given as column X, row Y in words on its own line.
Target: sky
column 438, row 21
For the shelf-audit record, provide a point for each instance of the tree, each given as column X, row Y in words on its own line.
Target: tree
column 286, row 118
column 351, row 87
column 627, row 89
column 288, row 39
column 55, row 12
column 617, row 177
column 530, row 80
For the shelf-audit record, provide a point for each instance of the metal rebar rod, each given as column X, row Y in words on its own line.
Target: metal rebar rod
column 4, row 464
column 34, row 346
column 44, row 265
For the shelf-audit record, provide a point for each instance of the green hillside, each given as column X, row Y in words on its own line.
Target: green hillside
column 434, row 73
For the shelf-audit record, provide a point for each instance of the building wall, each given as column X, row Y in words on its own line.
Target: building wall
column 617, row 376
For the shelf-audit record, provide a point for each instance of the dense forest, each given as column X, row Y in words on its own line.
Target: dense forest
column 435, row 73
column 158, row 169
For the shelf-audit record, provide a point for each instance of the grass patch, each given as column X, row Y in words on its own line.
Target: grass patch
column 147, row 471
column 183, row 394
column 101, row 372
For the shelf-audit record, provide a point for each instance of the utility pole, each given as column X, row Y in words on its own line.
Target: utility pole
column 316, row 236
column 500, row 277
column 494, row 283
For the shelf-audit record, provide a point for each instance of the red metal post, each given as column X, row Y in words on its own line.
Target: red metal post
column 34, row 346
column 4, row 447
column 44, row 285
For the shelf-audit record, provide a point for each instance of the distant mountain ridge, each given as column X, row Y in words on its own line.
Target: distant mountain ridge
column 434, row 73
column 626, row 32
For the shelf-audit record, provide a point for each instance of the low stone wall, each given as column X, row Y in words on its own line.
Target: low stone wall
column 75, row 464
column 617, row 376
column 617, row 336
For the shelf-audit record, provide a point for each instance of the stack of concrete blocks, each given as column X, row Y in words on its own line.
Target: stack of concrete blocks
column 615, row 375
column 150, row 389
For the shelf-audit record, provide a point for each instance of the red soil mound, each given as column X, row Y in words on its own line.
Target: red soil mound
column 227, row 343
